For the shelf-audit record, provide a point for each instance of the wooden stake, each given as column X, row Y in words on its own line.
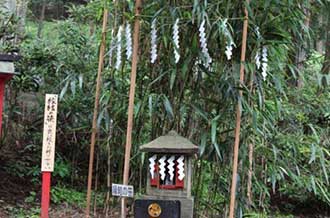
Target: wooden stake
column 238, row 116
column 96, row 109
column 135, row 58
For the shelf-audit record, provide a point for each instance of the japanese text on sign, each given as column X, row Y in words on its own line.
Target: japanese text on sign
column 49, row 134
column 122, row 190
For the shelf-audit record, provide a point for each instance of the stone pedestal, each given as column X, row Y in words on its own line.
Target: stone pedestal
column 187, row 204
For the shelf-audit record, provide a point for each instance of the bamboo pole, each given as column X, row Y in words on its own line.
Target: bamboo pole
column 96, row 109
column 238, row 116
column 251, row 150
column 138, row 5
column 250, row 174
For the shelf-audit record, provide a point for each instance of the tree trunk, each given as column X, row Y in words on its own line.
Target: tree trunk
column 326, row 63
column 319, row 41
column 42, row 18
column 21, row 13
column 302, row 54
column 9, row 6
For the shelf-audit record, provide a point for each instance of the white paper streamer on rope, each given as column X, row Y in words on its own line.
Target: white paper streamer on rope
column 119, row 38
column 170, row 167
column 176, row 40
column 264, row 62
column 128, row 36
column 257, row 29
column 181, row 167
column 152, row 164
column 229, row 42
column 257, row 59
column 153, row 41
column 229, row 50
column 202, row 39
column 162, row 167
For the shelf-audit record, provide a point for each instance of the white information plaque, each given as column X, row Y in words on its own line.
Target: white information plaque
column 49, row 134
column 122, row 190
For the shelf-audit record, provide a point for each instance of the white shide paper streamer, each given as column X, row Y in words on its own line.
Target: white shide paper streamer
column 229, row 41
column 181, row 167
column 170, row 167
column 257, row 59
column 128, row 36
column 176, row 40
column 152, row 164
column 119, row 38
column 162, row 168
column 264, row 62
column 153, row 41
column 203, row 43
column 229, row 50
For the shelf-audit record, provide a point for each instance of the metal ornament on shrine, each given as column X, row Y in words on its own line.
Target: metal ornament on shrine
column 169, row 180
column 7, row 70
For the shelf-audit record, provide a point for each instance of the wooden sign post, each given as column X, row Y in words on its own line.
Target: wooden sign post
column 48, row 150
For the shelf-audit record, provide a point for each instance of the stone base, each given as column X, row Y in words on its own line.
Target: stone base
column 187, row 204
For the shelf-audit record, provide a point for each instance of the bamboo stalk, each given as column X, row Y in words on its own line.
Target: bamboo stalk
column 138, row 5
column 96, row 109
column 250, row 173
column 238, row 116
column 96, row 177
column 107, row 201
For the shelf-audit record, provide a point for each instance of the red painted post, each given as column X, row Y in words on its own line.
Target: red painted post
column 3, row 79
column 45, row 197
column 2, row 92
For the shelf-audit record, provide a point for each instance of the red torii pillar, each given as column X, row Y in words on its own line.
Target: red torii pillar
column 6, row 73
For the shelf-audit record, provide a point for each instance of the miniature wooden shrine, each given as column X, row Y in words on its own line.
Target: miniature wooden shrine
column 169, row 181
column 7, row 70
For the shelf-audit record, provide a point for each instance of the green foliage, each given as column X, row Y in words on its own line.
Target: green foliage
column 65, row 195
column 21, row 212
column 31, row 198
column 8, row 31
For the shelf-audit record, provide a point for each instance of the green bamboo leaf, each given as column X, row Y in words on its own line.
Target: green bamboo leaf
column 313, row 153
column 324, row 193
column 73, row 86
column 150, row 106
column 313, row 184
column 200, row 112
column 168, row 107
column 324, row 168
column 172, row 80
column 81, row 79
column 275, row 151
column 202, row 144
column 213, row 131
column 63, row 91
column 217, row 149
column 214, row 128
column 314, row 132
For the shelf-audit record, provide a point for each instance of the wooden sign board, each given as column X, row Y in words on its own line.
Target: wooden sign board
column 49, row 133
column 122, row 190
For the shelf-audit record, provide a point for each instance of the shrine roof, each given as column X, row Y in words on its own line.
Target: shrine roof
column 7, row 63
column 9, row 57
column 170, row 143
